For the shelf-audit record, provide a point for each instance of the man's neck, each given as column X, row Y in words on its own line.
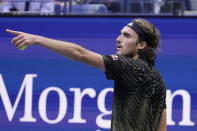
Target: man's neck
column 135, row 57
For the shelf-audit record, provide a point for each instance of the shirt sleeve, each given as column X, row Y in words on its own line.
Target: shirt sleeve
column 114, row 65
column 118, row 67
column 164, row 95
column 164, row 102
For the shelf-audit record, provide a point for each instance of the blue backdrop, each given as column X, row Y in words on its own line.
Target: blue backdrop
column 37, row 70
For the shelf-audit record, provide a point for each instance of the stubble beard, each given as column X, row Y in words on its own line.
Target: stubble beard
column 130, row 54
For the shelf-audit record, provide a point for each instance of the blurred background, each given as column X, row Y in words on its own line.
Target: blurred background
column 104, row 7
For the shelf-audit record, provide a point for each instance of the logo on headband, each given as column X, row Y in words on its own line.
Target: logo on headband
column 130, row 24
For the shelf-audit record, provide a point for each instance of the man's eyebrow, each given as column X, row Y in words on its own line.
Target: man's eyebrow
column 126, row 33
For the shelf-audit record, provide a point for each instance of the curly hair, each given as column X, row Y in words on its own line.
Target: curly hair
column 153, row 45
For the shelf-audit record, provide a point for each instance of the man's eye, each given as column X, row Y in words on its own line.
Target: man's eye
column 126, row 35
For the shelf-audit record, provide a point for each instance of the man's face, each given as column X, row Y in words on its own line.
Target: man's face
column 127, row 42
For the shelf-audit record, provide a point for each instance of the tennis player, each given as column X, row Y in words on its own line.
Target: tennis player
column 139, row 90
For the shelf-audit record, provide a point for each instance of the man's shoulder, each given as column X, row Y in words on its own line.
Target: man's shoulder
column 137, row 62
column 122, row 62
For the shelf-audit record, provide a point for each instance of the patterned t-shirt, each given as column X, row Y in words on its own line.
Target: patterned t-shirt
column 139, row 94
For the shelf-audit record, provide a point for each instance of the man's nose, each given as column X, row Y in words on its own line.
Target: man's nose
column 118, row 39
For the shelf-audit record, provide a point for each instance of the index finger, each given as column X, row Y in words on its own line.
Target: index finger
column 13, row 32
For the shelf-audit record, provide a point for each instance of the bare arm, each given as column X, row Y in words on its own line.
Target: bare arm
column 66, row 49
column 162, row 124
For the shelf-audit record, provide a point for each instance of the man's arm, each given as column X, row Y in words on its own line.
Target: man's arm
column 162, row 124
column 67, row 49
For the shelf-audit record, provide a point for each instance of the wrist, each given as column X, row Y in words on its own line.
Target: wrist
column 38, row 39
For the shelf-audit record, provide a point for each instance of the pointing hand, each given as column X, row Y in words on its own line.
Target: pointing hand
column 22, row 39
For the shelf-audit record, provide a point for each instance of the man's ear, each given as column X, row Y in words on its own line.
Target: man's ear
column 142, row 45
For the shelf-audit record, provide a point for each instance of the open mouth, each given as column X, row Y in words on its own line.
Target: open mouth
column 119, row 46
